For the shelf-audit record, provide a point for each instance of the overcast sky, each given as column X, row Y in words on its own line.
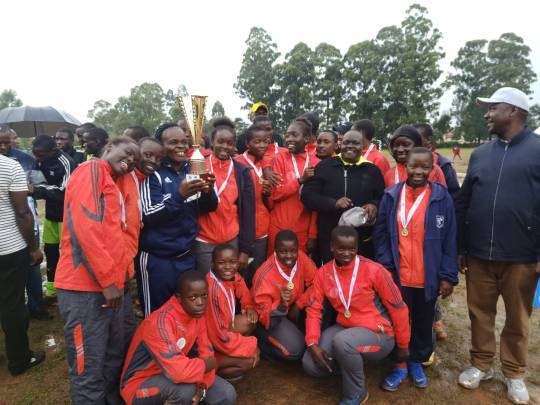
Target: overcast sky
column 68, row 54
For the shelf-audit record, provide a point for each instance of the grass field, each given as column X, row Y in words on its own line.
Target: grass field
column 277, row 384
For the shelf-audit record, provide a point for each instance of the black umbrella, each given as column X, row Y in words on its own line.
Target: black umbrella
column 30, row 121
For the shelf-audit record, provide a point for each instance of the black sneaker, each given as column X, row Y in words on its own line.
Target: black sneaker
column 35, row 359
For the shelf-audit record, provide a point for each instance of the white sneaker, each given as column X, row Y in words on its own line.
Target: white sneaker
column 517, row 390
column 470, row 377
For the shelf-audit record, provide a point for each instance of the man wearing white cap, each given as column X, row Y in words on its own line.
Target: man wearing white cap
column 498, row 228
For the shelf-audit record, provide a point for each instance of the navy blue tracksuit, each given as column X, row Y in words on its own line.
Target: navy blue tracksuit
column 170, row 226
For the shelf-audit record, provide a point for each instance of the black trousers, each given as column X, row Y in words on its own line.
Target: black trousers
column 14, row 269
column 421, row 314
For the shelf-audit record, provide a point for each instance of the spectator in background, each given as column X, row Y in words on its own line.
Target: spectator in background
column 94, row 141
column 341, row 130
column 136, row 133
column 56, row 167
column 456, row 152
column 81, row 129
column 313, row 118
column 497, row 244
column 19, row 249
column 64, row 141
column 257, row 110
column 14, row 139
column 370, row 151
column 326, row 144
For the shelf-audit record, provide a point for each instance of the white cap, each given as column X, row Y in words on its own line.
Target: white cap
column 508, row 95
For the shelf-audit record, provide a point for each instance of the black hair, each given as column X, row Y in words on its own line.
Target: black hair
column 329, row 131
column 138, row 133
column 67, row 131
column 220, row 123
column 313, row 118
column 87, row 125
column 149, row 139
column 189, row 276
column 305, row 124
column 162, row 128
column 120, row 140
column 44, row 141
column 221, row 248
column 261, row 118
column 424, row 128
column 366, row 127
column 343, row 231
column 99, row 134
column 285, row 235
column 250, row 132
column 407, row 131
column 5, row 129
column 342, row 129
column 420, row 150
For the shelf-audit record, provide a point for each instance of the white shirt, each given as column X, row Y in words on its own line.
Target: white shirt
column 12, row 179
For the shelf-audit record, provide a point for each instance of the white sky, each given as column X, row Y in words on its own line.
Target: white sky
column 69, row 54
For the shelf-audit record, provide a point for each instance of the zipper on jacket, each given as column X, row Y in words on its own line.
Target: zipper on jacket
column 495, row 204
column 345, row 178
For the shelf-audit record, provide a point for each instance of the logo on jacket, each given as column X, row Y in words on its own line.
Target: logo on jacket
column 181, row 343
column 167, row 180
column 440, row 221
column 51, row 172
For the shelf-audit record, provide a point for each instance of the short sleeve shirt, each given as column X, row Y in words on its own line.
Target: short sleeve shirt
column 12, row 179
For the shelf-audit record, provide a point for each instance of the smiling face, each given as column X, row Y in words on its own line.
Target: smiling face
column 499, row 118
column 296, row 139
column 122, row 157
column 151, row 155
column 344, row 249
column 326, row 145
column 194, row 298
column 352, row 146
column 223, row 144
column 258, row 144
column 176, row 144
column 400, row 148
column 419, row 166
column 287, row 252
column 225, row 264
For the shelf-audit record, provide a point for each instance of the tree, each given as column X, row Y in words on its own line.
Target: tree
column 218, row 110
column 240, row 125
column 256, row 77
column 441, row 126
column 8, row 98
column 533, row 120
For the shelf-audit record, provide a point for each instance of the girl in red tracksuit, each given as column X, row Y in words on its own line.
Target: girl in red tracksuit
column 403, row 140
column 228, row 328
column 295, row 168
column 372, row 317
column 234, row 219
column 281, row 289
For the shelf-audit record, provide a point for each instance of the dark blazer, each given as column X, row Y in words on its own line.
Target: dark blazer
column 246, row 207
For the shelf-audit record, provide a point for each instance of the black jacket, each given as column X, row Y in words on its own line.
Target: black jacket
column 498, row 204
column 56, row 170
column 76, row 156
column 246, row 207
column 364, row 184
column 450, row 175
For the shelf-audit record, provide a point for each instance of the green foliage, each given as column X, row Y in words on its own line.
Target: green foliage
column 533, row 120
column 8, row 98
column 441, row 126
column 218, row 110
column 240, row 125
column 482, row 67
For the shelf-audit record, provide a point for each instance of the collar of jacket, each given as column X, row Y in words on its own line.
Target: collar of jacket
column 166, row 162
column 359, row 162
column 437, row 191
column 525, row 133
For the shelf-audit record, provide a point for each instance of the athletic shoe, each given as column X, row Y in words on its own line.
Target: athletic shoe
column 352, row 401
column 429, row 361
column 418, row 376
column 440, row 334
column 50, row 291
column 517, row 390
column 394, row 379
column 35, row 359
column 470, row 377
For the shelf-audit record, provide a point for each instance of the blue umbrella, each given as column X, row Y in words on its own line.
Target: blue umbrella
column 30, row 121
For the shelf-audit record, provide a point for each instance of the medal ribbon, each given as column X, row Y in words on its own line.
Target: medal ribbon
column 346, row 304
column 369, row 151
column 396, row 175
column 224, row 184
column 290, row 278
column 137, row 184
column 231, row 301
column 406, row 219
column 258, row 171
column 276, row 148
column 297, row 174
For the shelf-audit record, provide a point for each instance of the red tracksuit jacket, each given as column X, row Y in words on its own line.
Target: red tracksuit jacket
column 373, row 154
column 286, row 209
column 268, row 283
column 161, row 346
column 373, row 284
column 93, row 248
column 219, row 318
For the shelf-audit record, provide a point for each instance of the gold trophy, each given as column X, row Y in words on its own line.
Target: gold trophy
column 195, row 123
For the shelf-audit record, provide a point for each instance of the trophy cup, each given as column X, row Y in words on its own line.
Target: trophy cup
column 195, row 122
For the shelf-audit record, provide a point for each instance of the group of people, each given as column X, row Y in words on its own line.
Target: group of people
column 309, row 248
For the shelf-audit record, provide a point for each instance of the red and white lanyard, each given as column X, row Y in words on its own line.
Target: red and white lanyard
column 346, row 304
column 276, row 148
column 295, row 165
column 224, row 184
column 122, row 210
column 406, row 219
column 396, row 175
column 369, row 151
column 289, row 279
column 137, row 184
column 258, row 171
column 231, row 300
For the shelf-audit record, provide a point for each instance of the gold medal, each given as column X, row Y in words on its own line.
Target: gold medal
column 404, row 232
column 290, row 286
column 347, row 314
column 261, row 180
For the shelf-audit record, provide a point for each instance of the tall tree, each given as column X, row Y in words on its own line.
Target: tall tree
column 533, row 120
column 218, row 110
column 256, row 77
column 8, row 98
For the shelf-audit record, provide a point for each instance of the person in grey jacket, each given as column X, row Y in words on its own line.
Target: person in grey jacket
column 497, row 243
